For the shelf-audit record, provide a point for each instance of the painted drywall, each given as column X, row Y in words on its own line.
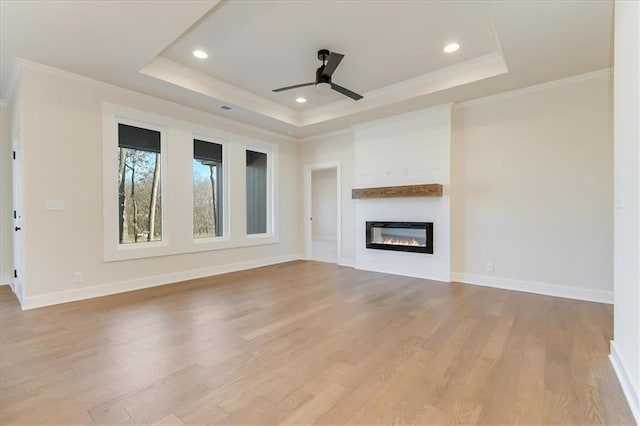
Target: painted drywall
column 328, row 148
column 406, row 149
column 625, row 348
column 532, row 186
column 6, row 202
column 324, row 204
column 63, row 160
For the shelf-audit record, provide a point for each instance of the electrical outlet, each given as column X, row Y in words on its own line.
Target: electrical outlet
column 77, row 277
column 489, row 266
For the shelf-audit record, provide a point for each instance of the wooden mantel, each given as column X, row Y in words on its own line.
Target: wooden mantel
column 425, row 190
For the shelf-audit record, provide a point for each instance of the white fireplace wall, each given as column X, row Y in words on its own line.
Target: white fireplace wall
column 413, row 148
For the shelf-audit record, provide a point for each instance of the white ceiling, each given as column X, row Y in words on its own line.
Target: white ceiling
column 260, row 46
column 393, row 51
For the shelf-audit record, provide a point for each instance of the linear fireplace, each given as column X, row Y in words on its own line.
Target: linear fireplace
column 414, row 237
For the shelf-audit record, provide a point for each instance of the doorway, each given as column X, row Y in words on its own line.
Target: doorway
column 323, row 212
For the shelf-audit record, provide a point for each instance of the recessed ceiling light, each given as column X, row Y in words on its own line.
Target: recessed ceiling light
column 451, row 47
column 301, row 100
column 200, row 54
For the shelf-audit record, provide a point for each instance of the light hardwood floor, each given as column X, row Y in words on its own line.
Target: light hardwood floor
column 309, row 343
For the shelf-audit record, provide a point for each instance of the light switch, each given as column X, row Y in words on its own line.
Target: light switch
column 54, row 205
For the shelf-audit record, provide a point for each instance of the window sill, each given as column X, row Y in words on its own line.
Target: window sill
column 259, row 236
column 158, row 249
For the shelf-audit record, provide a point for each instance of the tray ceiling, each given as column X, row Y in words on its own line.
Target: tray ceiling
column 393, row 51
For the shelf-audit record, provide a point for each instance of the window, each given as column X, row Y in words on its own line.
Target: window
column 139, row 185
column 207, row 189
column 256, row 192
column 160, row 198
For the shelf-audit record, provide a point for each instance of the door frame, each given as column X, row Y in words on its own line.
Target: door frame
column 17, row 284
column 308, row 206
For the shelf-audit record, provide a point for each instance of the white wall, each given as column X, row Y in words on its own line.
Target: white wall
column 62, row 155
column 625, row 348
column 6, row 202
column 527, row 169
column 324, row 204
column 532, row 186
column 413, row 148
column 328, row 148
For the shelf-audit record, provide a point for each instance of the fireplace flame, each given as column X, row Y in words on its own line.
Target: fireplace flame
column 400, row 242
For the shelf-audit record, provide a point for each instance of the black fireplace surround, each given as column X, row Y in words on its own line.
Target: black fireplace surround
column 416, row 237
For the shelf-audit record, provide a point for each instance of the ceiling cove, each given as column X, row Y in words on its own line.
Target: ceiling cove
column 400, row 55
column 394, row 53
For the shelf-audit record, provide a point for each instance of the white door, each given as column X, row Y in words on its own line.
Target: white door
column 18, row 231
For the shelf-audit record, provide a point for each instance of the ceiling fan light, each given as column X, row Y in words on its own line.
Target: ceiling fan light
column 323, row 86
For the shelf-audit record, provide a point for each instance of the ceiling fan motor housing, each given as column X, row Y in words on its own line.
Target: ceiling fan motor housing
column 320, row 77
column 323, row 54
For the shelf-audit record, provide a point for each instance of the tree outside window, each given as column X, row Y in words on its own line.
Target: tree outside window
column 207, row 189
column 139, row 185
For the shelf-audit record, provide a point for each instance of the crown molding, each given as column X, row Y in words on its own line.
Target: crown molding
column 535, row 88
column 480, row 68
column 411, row 115
column 187, row 109
column 367, row 124
column 332, row 134
column 485, row 99
column 172, row 72
column 476, row 69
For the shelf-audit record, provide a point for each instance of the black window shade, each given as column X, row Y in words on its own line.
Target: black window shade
column 207, row 152
column 256, row 159
column 138, row 138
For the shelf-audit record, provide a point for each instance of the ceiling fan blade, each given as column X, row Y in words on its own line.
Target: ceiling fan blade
column 332, row 63
column 282, row 89
column 346, row 92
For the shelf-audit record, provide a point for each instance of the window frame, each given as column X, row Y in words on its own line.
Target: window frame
column 113, row 249
column 226, row 197
column 176, row 148
column 271, row 151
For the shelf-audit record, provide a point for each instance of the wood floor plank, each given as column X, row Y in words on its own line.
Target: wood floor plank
column 169, row 420
column 318, row 405
column 309, row 343
column 530, row 388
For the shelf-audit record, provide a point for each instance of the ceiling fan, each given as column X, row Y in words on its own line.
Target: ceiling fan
column 330, row 61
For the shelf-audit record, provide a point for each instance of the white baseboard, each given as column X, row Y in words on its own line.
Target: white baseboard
column 323, row 260
column 31, row 302
column 441, row 279
column 345, row 261
column 324, row 238
column 590, row 295
column 625, row 381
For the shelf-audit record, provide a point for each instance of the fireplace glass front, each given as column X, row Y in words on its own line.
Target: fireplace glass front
column 414, row 237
